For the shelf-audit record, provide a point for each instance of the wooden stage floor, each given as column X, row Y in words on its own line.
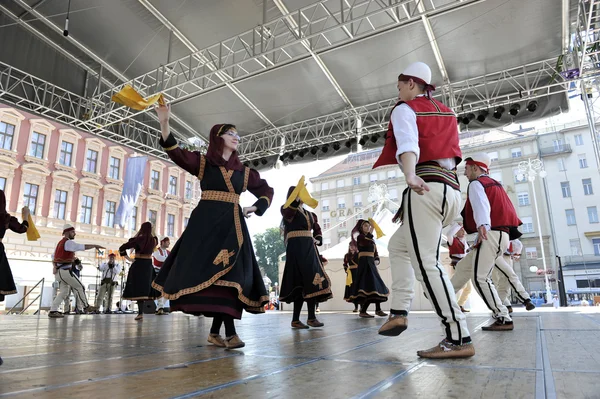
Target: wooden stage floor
column 549, row 354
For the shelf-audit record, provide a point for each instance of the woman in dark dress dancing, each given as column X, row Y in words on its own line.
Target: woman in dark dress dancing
column 212, row 269
column 368, row 287
column 351, row 267
column 304, row 277
column 8, row 222
column 139, row 278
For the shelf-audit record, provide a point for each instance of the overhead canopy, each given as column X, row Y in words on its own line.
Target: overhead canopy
column 291, row 74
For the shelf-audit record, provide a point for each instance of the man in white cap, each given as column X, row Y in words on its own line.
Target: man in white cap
column 422, row 138
column 489, row 213
column 64, row 256
column 505, row 278
column 158, row 258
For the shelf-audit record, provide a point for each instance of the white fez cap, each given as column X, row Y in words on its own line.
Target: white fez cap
column 419, row 70
column 480, row 159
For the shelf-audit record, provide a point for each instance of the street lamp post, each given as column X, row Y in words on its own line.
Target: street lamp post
column 530, row 169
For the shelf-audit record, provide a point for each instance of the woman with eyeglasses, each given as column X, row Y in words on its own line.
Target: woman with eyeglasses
column 212, row 269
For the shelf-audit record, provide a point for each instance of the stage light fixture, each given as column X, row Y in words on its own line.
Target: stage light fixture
column 325, row 148
column 458, row 119
column 514, row 109
column 314, row 150
column 246, row 164
column 363, row 140
column 283, row 157
column 468, row 118
column 255, row 163
column 301, row 153
column 292, row 155
column 532, row 106
column 374, row 138
column 498, row 112
column 482, row 115
column 264, row 161
column 348, row 144
column 336, row 146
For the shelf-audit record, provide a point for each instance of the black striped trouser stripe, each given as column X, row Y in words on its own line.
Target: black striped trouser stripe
column 476, row 280
column 83, row 300
column 511, row 284
column 432, row 296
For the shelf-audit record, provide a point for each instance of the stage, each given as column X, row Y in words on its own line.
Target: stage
column 549, row 354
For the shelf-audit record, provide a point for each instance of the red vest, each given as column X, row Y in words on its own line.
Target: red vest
column 503, row 214
column 438, row 133
column 158, row 263
column 62, row 256
column 457, row 247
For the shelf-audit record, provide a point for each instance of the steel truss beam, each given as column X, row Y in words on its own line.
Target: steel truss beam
column 325, row 25
column 517, row 84
column 27, row 92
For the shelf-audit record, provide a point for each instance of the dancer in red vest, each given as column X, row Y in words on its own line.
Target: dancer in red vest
column 423, row 138
column 489, row 213
column 457, row 248
column 64, row 256
column 505, row 278
column 158, row 258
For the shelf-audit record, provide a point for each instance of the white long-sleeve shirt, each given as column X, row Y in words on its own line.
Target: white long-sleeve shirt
column 481, row 205
column 107, row 272
column 71, row 246
column 404, row 122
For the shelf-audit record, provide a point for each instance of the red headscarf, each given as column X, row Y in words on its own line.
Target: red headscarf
column 4, row 216
column 214, row 154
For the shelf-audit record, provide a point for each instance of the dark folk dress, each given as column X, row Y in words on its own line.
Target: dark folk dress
column 212, row 268
column 7, row 283
column 350, row 266
column 368, row 285
column 304, row 276
column 141, row 272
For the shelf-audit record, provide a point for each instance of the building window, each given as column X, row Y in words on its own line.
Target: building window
column 523, row 198
column 587, row 186
column 60, row 204
column 7, row 134
column 173, row 185
column 3, row 183
column 324, row 186
column 592, row 214
column 341, row 203
column 578, row 139
column 38, row 142
column 66, row 153
column 596, row 244
column 493, row 155
column 326, row 223
column 516, row 152
column 561, row 164
column 325, row 205
column 86, row 209
column 393, row 194
column 570, row 213
column 519, row 176
column 391, row 174
column 188, row 190
column 170, row 225
column 30, row 196
column 114, row 168
column 527, row 226
column 582, row 161
column 356, row 180
column 373, row 177
column 133, row 218
column 154, row 179
column 339, row 183
column 357, row 199
column 558, row 145
column 185, row 222
column 343, row 223
column 531, row 252
column 326, row 243
column 497, row 176
column 91, row 161
column 575, row 247
column 565, row 186
column 111, row 210
column 152, row 216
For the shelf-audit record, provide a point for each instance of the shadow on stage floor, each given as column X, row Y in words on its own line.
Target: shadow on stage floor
column 549, row 354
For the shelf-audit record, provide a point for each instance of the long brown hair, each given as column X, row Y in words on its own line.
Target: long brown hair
column 214, row 153
column 146, row 232
column 4, row 216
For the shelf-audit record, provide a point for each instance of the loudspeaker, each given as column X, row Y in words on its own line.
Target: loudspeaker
column 149, row 307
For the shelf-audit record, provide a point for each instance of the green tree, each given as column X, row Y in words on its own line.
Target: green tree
column 269, row 245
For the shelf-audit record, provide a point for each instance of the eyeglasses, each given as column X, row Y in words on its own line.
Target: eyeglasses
column 233, row 134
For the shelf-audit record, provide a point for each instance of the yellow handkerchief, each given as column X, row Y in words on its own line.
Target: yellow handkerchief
column 348, row 277
column 378, row 230
column 32, row 232
column 132, row 99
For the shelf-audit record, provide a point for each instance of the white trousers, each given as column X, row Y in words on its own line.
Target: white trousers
column 67, row 281
column 102, row 295
column 505, row 278
column 478, row 265
column 414, row 253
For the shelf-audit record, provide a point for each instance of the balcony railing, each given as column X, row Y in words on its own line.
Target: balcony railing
column 581, row 259
column 559, row 149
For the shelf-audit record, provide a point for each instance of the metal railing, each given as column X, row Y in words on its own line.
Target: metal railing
column 560, row 149
column 40, row 296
